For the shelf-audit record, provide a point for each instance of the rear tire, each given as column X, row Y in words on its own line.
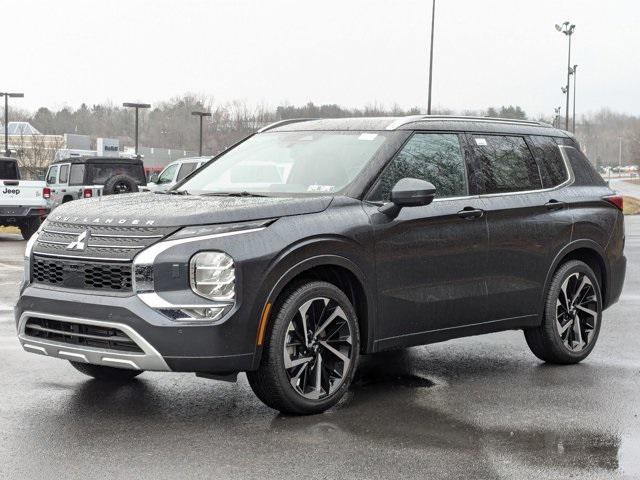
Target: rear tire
column 29, row 227
column 109, row 374
column 572, row 316
column 310, row 352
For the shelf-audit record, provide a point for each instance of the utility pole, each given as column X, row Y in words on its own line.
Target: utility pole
column 575, row 77
column 6, row 96
column 567, row 28
column 620, row 157
column 137, row 106
column 433, row 22
column 201, row 115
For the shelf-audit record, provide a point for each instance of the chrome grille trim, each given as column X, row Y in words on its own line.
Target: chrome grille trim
column 149, row 359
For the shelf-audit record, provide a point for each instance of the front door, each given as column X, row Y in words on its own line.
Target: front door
column 430, row 260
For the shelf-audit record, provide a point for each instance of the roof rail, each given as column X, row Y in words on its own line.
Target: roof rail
column 422, row 118
column 281, row 123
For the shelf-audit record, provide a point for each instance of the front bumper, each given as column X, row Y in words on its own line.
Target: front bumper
column 166, row 345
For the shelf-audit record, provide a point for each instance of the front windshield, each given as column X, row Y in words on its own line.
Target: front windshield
column 309, row 162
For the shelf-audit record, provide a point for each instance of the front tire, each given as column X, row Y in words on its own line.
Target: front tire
column 572, row 316
column 311, row 350
column 104, row 373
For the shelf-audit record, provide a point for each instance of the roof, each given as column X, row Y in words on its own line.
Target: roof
column 87, row 159
column 21, row 128
column 4, row 159
column 419, row 122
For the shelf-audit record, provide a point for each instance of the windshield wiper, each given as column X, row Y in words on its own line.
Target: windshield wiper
column 233, row 194
column 172, row 192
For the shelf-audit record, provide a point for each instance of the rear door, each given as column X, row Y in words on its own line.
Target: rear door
column 430, row 260
column 62, row 187
column 527, row 221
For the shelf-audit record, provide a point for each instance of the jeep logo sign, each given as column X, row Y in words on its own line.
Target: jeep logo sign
column 11, row 191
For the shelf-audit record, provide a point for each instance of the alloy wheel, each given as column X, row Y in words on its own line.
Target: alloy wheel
column 318, row 348
column 577, row 312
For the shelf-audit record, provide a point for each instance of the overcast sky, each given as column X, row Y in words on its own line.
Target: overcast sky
column 350, row 52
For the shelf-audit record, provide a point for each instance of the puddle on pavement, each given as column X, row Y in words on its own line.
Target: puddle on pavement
column 403, row 380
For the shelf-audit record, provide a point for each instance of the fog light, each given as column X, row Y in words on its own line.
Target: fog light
column 212, row 275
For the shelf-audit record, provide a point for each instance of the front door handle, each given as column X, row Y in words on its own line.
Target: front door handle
column 470, row 213
column 554, row 205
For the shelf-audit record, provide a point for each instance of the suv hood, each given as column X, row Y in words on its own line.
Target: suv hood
column 150, row 209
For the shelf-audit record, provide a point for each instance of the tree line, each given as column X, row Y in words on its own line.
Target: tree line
column 169, row 124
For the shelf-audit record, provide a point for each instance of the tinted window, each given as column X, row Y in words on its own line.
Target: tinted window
column 77, row 174
column 8, row 170
column 99, row 173
column 52, row 176
column 552, row 167
column 185, row 170
column 64, row 174
column 506, row 164
column 583, row 171
column 434, row 157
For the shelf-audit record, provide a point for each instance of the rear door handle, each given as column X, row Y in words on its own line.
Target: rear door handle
column 470, row 213
column 554, row 205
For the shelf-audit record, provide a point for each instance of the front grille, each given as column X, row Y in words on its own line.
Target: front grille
column 80, row 334
column 100, row 242
column 113, row 277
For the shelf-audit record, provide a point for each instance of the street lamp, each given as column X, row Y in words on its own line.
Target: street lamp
column 567, row 28
column 137, row 106
column 201, row 114
column 433, row 19
column 6, row 96
column 574, row 71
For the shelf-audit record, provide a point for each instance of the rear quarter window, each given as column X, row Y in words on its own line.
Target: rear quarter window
column 552, row 166
column 583, row 171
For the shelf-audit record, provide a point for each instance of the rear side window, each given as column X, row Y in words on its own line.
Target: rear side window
column 77, row 174
column 506, row 164
column 552, row 167
column 185, row 170
column 434, row 157
column 64, row 174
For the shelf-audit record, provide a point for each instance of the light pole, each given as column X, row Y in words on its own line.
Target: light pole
column 433, row 21
column 567, row 28
column 137, row 106
column 6, row 96
column 201, row 114
column 574, row 70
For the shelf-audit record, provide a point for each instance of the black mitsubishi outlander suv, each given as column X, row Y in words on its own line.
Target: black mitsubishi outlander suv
column 314, row 241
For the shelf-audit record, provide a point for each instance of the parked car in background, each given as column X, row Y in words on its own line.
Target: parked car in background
column 315, row 241
column 86, row 177
column 173, row 173
column 23, row 203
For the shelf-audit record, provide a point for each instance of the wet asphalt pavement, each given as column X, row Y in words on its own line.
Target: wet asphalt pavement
column 481, row 407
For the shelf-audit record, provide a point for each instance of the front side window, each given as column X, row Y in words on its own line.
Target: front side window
column 168, row 174
column 506, row 164
column 52, row 176
column 552, row 167
column 185, row 170
column 434, row 157
column 64, row 173
column 301, row 162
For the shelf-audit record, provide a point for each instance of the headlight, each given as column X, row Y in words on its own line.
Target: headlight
column 212, row 275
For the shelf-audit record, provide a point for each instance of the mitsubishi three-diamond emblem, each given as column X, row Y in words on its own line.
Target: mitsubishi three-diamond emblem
column 80, row 242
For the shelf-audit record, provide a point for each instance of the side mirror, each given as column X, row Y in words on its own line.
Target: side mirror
column 409, row 192
column 153, row 178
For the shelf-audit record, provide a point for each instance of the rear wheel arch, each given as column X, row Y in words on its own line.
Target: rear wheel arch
column 586, row 251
